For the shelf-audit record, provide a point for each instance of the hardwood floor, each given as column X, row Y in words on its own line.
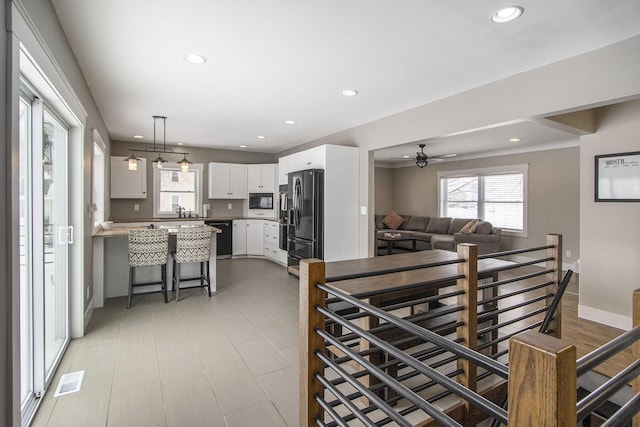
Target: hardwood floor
column 587, row 336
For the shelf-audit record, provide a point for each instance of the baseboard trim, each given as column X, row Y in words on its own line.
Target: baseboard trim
column 605, row 317
column 88, row 314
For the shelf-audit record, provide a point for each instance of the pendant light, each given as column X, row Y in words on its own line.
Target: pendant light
column 133, row 162
column 159, row 160
column 184, row 163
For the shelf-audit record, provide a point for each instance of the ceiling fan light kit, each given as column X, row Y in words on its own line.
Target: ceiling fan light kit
column 421, row 158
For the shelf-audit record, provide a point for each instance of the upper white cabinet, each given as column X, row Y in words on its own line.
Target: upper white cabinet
column 227, row 181
column 313, row 158
column 262, row 178
column 126, row 184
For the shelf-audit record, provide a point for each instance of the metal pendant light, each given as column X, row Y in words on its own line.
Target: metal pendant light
column 159, row 160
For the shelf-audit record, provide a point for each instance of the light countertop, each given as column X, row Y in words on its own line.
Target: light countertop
column 124, row 231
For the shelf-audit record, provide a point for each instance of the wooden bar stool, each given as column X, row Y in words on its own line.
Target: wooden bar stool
column 148, row 247
column 193, row 244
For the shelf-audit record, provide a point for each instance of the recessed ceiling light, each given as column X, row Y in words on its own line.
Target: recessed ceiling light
column 193, row 58
column 261, row 137
column 349, row 92
column 180, row 143
column 506, row 14
column 406, row 157
column 515, row 140
column 243, row 146
column 290, row 122
column 138, row 136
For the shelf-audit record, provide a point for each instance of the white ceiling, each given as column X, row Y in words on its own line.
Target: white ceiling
column 271, row 61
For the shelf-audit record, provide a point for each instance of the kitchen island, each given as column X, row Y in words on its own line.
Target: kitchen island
column 111, row 262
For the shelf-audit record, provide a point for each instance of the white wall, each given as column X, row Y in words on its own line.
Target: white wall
column 610, row 237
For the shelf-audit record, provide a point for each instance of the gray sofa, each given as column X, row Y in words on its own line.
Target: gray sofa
column 440, row 233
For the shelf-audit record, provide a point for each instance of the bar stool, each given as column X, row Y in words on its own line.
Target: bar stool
column 193, row 244
column 148, row 247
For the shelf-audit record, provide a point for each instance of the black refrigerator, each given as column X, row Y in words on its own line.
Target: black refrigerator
column 305, row 193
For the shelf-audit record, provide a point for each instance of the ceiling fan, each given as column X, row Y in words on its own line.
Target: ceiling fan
column 422, row 159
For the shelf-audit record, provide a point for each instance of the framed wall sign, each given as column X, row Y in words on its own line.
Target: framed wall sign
column 618, row 177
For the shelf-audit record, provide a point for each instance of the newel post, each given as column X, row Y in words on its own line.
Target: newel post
column 555, row 277
column 636, row 348
column 468, row 331
column 312, row 271
column 542, row 381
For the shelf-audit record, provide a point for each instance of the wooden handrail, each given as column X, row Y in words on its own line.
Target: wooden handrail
column 312, row 271
column 552, row 361
column 542, row 381
column 468, row 331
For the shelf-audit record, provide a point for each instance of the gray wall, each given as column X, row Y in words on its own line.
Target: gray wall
column 553, row 194
column 123, row 208
column 384, row 190
column 610, row 238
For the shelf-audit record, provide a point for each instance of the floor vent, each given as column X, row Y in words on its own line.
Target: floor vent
column 69, row 383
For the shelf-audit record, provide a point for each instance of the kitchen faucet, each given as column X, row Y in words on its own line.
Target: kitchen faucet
column 180, row 211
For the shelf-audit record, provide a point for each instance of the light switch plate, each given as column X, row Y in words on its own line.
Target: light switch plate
column 363, row 210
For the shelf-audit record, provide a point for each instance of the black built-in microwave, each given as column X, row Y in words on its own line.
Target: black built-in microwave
column 260, row 200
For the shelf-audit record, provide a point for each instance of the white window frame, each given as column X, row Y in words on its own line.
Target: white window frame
column 98, row 187
column 198, row 167
column 497, row 170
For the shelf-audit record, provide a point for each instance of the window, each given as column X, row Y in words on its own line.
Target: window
column 174, row 189
column 497, row 195
column 98, row 184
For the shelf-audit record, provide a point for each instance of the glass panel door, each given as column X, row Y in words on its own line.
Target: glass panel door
column 26, row 296
column 57, row 236
column 45, row 236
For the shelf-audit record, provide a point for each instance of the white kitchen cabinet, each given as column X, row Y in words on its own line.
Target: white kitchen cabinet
column 227, row 181
column 313, row 158
column 239, row 237
column 126, row 184
column 283, row 169
column 255, row 237
column 261, row 178
column 272, row 249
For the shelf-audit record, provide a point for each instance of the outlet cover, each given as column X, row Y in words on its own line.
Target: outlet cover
column 229, row 206
column 136, row 207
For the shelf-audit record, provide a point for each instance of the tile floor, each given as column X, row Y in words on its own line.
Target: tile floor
column 230, row 360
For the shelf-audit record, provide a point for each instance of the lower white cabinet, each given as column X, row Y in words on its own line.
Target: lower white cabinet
column 239, row 237
column 271, row 243
column 255, row 236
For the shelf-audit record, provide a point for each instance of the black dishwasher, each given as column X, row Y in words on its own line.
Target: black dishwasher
column 224, row 240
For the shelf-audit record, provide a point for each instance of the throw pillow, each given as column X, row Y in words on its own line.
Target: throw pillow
column 393, row 220
column 470, row 226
